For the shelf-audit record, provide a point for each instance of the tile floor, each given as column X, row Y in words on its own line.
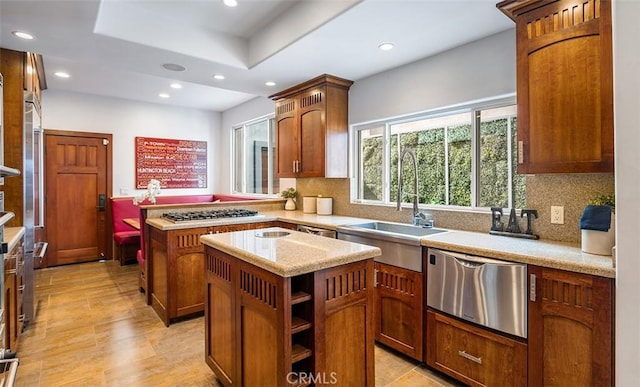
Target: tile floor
column 93, row 328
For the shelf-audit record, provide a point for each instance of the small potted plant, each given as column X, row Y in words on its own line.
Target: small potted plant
column 597, row 225
column 289, row 194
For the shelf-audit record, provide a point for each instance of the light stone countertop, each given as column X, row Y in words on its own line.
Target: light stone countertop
column 329, row 222
column 12, row 235
column 290, row 255
column 167, row 225
column 558, row 255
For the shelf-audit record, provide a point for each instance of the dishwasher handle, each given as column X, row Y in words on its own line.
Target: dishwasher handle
column 317, row 231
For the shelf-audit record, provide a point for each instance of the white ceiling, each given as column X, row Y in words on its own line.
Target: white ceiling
column 116, row 48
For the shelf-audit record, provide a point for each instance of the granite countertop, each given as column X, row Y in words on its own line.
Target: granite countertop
column 329, row 222
column 167, row 225
column 294, row 254
column 565, row 256
column 12, row 235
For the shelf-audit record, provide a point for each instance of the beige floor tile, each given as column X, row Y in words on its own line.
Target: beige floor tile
column 93, row 328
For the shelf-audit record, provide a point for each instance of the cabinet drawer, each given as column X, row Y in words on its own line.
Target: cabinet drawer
column 474, row 355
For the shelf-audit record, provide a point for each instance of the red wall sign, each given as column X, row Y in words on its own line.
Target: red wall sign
column 175, row 163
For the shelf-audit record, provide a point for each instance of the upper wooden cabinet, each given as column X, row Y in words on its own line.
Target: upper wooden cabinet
column 312, row 128
column 564, row 85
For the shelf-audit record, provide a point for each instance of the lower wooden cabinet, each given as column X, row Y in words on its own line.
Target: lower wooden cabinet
column 265, row 330
column 176, row 271
column 474, row 355
column 399, row 309
column 570, row 329
column 13, row 289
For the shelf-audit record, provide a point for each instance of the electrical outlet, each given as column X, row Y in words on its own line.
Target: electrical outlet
column 124, row 191
column 557, row 214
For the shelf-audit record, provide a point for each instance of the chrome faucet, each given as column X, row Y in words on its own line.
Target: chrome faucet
column 419, row 218
column 416, row 213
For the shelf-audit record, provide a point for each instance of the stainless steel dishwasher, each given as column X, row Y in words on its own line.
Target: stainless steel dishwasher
column 317, row 231
column 485, row 291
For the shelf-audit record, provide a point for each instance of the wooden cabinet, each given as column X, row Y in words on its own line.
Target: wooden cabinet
column 287, row 225
column 22, row 72
column 312, row 128
column 265, row 330
column 564, row 85
column 13, row 289
column 474, row 355
column 399, row 309
column 570, row 329
column 175, row 270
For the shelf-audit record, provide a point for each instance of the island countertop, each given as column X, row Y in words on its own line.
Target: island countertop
column 290, row 255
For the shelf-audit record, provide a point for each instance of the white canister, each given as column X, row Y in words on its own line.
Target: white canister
column 309, row 204
column 324, row 206
column 599, row 242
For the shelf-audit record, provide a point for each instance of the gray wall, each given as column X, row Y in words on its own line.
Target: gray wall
column 481, row 69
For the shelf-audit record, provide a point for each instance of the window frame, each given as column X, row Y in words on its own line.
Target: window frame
column 271, row 176
column 472, row 107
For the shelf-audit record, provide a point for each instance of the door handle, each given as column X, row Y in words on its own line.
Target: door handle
column 102, row 202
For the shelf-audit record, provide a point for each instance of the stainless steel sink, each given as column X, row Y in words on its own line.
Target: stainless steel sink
column 398, row 228
column 400, row 243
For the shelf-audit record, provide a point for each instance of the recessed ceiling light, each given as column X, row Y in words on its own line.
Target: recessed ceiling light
column 385, row 46
column 270, row 83
column 174, row 67
column 176, row 86
column 61, row 74
column 163, row 95
column 219, row 77
column 230, row 3
column 22, row 35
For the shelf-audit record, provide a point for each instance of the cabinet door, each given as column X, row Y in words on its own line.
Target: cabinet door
column 221, row 348
column 398, row 299
column 570, row 329
column 286, row 138
column 311, row 113
column 565, row 88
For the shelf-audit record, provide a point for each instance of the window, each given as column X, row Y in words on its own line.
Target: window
column 466, row 157
column 253, row 157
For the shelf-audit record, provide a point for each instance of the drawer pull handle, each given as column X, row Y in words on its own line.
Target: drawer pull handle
column 470, row 357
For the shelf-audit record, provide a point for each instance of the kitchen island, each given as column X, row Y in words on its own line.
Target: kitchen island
column 285, row 308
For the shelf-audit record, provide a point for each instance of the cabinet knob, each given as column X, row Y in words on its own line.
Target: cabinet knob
column 532, row 287
column 520, row 152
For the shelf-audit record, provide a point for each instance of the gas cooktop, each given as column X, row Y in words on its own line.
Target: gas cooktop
column 208, row 215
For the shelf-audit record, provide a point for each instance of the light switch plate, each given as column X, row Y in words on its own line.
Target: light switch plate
column 557, row 214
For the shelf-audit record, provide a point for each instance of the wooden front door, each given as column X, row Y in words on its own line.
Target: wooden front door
column 77, row 185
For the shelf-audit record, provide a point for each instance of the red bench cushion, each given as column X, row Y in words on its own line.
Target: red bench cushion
column 127, row 237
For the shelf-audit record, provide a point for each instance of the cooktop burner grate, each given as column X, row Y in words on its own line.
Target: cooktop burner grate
column 207, row 215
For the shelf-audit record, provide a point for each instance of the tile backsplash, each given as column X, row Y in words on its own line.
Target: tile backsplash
column 572, row 191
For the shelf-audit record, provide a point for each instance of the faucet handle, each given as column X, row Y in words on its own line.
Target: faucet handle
column 424, row 219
